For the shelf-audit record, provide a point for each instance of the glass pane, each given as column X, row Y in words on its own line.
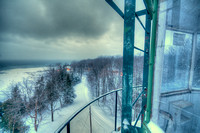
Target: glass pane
column 196, row 76
column 179, row 116
column 177, row 60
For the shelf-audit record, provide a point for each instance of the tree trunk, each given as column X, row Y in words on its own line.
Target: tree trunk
column 35, row 123
column 104, row 91
column 60, row 102
column 13, row 127
column 52, row 111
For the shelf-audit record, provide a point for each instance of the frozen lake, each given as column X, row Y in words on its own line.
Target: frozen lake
column 13, row 76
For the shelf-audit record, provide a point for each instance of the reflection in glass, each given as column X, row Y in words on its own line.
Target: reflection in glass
column 177, row 60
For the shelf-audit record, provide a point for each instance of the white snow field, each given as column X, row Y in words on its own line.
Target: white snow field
column 14, row 76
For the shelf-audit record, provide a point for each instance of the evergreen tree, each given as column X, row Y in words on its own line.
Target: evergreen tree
column 12, row 112
column 68, row 91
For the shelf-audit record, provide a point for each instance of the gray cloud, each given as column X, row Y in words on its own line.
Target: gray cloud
column 60, row 29
column 43, row 19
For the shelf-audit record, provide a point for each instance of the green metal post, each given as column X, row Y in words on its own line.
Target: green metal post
column 146, row 60
column 149, row 7
column 151, row 63
column 128, row 53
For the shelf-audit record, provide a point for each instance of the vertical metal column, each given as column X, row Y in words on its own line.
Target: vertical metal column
column 90, row 113
column 128, row 53
column 151, row 63
column 68, row 127
column 146, row 61
column 116, row 111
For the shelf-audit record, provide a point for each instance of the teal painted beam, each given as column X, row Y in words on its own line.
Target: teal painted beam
column 128, row 54
column 149, row 6
column 115, row 7
column 146, row 62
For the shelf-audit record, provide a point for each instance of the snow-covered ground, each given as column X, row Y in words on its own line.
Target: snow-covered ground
column 100, row 121
column 60, row 116
column 7, row 77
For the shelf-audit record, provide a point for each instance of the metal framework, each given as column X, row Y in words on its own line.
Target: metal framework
column 128, row 55
column 129, row 16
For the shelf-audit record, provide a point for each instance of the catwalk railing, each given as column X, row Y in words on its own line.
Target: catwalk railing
column 66, row 126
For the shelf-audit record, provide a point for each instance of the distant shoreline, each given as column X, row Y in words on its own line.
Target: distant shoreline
column 13, row 64
column 18, row 67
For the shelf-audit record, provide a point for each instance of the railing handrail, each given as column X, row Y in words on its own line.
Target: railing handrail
column 85, row 106
column 77, row 112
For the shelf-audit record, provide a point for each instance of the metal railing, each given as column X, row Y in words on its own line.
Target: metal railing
column 67, row 123
column 143, row 107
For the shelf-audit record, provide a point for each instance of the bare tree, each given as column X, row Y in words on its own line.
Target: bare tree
column 34, row 99
column 51, row 90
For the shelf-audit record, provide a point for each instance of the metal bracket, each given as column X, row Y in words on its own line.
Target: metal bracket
column 115, row 7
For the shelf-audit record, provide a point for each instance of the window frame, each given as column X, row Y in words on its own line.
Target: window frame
column 189, row 88
column 195, row 37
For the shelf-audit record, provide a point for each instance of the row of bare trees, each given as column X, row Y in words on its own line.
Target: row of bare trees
column 105, row 74
column 36, row 96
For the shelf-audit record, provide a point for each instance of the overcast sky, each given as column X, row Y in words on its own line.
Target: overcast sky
column 61, row 29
